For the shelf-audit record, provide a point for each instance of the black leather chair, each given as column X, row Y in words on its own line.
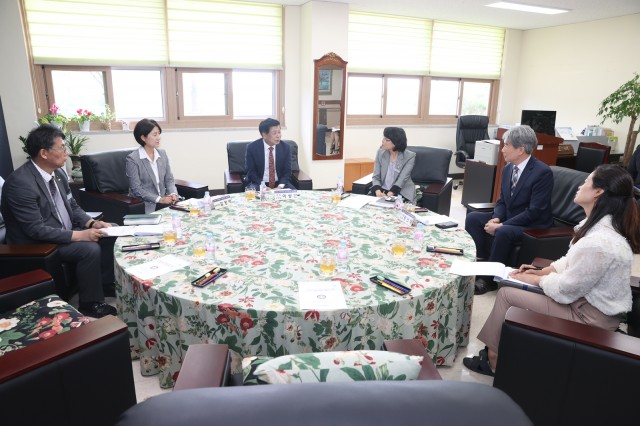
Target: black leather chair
column 106, row 186
column 590, row 155
column 321, row 135
column 234, row 176
column 79, row 377
column 553, row 242
column 430, row 172
column 566, row 373
column 470, row 128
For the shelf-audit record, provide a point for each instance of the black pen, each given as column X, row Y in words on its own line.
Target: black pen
column 532, row 268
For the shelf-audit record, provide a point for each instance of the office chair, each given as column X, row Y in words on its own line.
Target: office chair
column 470, row 128
column 590, row 155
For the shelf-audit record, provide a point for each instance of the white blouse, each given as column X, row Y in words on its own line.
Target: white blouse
column 597, row 267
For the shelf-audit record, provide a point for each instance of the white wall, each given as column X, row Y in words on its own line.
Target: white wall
column 569, row 69
column 572, row 68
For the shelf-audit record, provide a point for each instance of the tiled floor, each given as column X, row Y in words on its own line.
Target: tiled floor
column 148, row 386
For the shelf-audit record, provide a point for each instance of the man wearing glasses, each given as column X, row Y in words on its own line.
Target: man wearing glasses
column 38, row 207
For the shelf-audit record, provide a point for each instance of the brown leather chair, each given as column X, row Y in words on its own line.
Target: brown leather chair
column 85, row 372
column 590, row 155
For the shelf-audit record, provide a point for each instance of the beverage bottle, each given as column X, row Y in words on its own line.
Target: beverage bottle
column 418, row 237
column 207, row 202
column 342, row 256
column 210, row 246
column 263, row 191
column 398, row 203
column 176, row 222
column 340, row 185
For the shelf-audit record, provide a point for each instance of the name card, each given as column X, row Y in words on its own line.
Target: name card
column 285, row 194
column 220, row 201
column 406, row 217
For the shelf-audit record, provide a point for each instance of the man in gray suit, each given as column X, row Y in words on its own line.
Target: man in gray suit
column 38, row 207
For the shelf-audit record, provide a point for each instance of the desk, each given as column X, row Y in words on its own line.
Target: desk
column 254, row 308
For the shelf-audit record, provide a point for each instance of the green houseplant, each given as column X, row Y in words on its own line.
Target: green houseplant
column 75, row 144
column 107, row 117
column 624, row 102
column 83, row 117
column 54, row 118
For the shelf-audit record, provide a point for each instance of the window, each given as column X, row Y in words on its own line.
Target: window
column 431, row 71
column 196, row 63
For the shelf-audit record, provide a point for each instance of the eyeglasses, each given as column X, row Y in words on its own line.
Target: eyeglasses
column 62, row 149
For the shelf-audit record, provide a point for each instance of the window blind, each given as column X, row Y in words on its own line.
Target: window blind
column 82, row 32
column 464, row 50
column 388, row 44
column 224, row 34
column 200, row 33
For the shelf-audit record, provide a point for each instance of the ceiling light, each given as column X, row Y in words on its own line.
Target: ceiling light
column 527, row 8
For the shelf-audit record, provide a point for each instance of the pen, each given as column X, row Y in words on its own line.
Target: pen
column 532, row 268
column 389, row 286
column 394, row 285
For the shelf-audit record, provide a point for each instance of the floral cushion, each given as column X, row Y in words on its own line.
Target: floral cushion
column 331, row 367
column 36, row 321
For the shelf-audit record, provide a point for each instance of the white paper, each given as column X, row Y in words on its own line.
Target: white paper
column 499, row 271
column 354, row 201
column 381, row 202
column 160, row 266
column 321, row 295
column 139, row 230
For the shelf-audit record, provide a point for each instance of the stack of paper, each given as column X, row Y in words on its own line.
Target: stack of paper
column 142, row 219
column 127, row 231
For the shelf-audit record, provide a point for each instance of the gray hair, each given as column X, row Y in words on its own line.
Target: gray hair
column 521, row 136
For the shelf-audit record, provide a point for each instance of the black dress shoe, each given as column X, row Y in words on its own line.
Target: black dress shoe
column 479, row 365
column 97, row 309
column 482, row 286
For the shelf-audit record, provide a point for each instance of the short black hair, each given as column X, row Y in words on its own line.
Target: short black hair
column 42, row 137
column 397, row 136
column 266, row 125
column 143, row 128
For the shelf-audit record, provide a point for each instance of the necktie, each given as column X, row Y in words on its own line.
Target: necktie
column 514, row 179
column 63, row 214
column 272, row 169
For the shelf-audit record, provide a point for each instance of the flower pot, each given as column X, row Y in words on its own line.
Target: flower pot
column 85, row 127
column 76, row 167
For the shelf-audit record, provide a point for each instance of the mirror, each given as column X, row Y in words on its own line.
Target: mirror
column 328, row 107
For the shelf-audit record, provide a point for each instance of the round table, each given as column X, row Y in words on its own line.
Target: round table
column 268, row 247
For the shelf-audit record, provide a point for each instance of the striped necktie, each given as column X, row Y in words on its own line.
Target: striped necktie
column 514, row 179
column 272, row 169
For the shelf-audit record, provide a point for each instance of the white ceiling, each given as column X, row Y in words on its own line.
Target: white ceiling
column 475, row 11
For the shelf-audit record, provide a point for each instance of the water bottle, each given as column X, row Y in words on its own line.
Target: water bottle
column 176, row 222
column 210, row 246
column 340, row 185
column 342, row 256
column 207, row 203
column 263, row 191
column 398, row 203
column 418, row 237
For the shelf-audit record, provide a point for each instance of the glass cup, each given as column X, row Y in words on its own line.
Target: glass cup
column 410, row 207
column 328, row 263
column 169, row 234
column 199, row 247
column 398, row 247
column 250, row 192
column 335, row 196
column 194, row 208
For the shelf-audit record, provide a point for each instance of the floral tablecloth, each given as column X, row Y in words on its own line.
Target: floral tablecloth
column 268, row 248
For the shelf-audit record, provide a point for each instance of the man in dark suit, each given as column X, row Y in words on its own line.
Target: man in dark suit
column 268, row 160
column 525, row 202
column 38, row 207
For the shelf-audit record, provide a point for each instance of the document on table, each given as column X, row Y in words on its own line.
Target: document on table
column 156, row 267
column 127, row 231
column 355, row 201
column 321, row 295
column 499, row 271
column 432, row 219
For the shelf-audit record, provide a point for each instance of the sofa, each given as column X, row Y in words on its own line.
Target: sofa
column 566, row 373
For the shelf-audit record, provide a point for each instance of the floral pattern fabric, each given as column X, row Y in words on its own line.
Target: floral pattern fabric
column 36, row 321
column 332, row 367
column 268, row 247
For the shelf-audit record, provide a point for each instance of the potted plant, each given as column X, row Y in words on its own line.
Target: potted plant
column 107, row 117
column 75, row 144
column 624, row 102
column 83, row 117
column 54, row 118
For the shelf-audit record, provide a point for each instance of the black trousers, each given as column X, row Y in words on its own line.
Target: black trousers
column 507, row 236
column 93, row 265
